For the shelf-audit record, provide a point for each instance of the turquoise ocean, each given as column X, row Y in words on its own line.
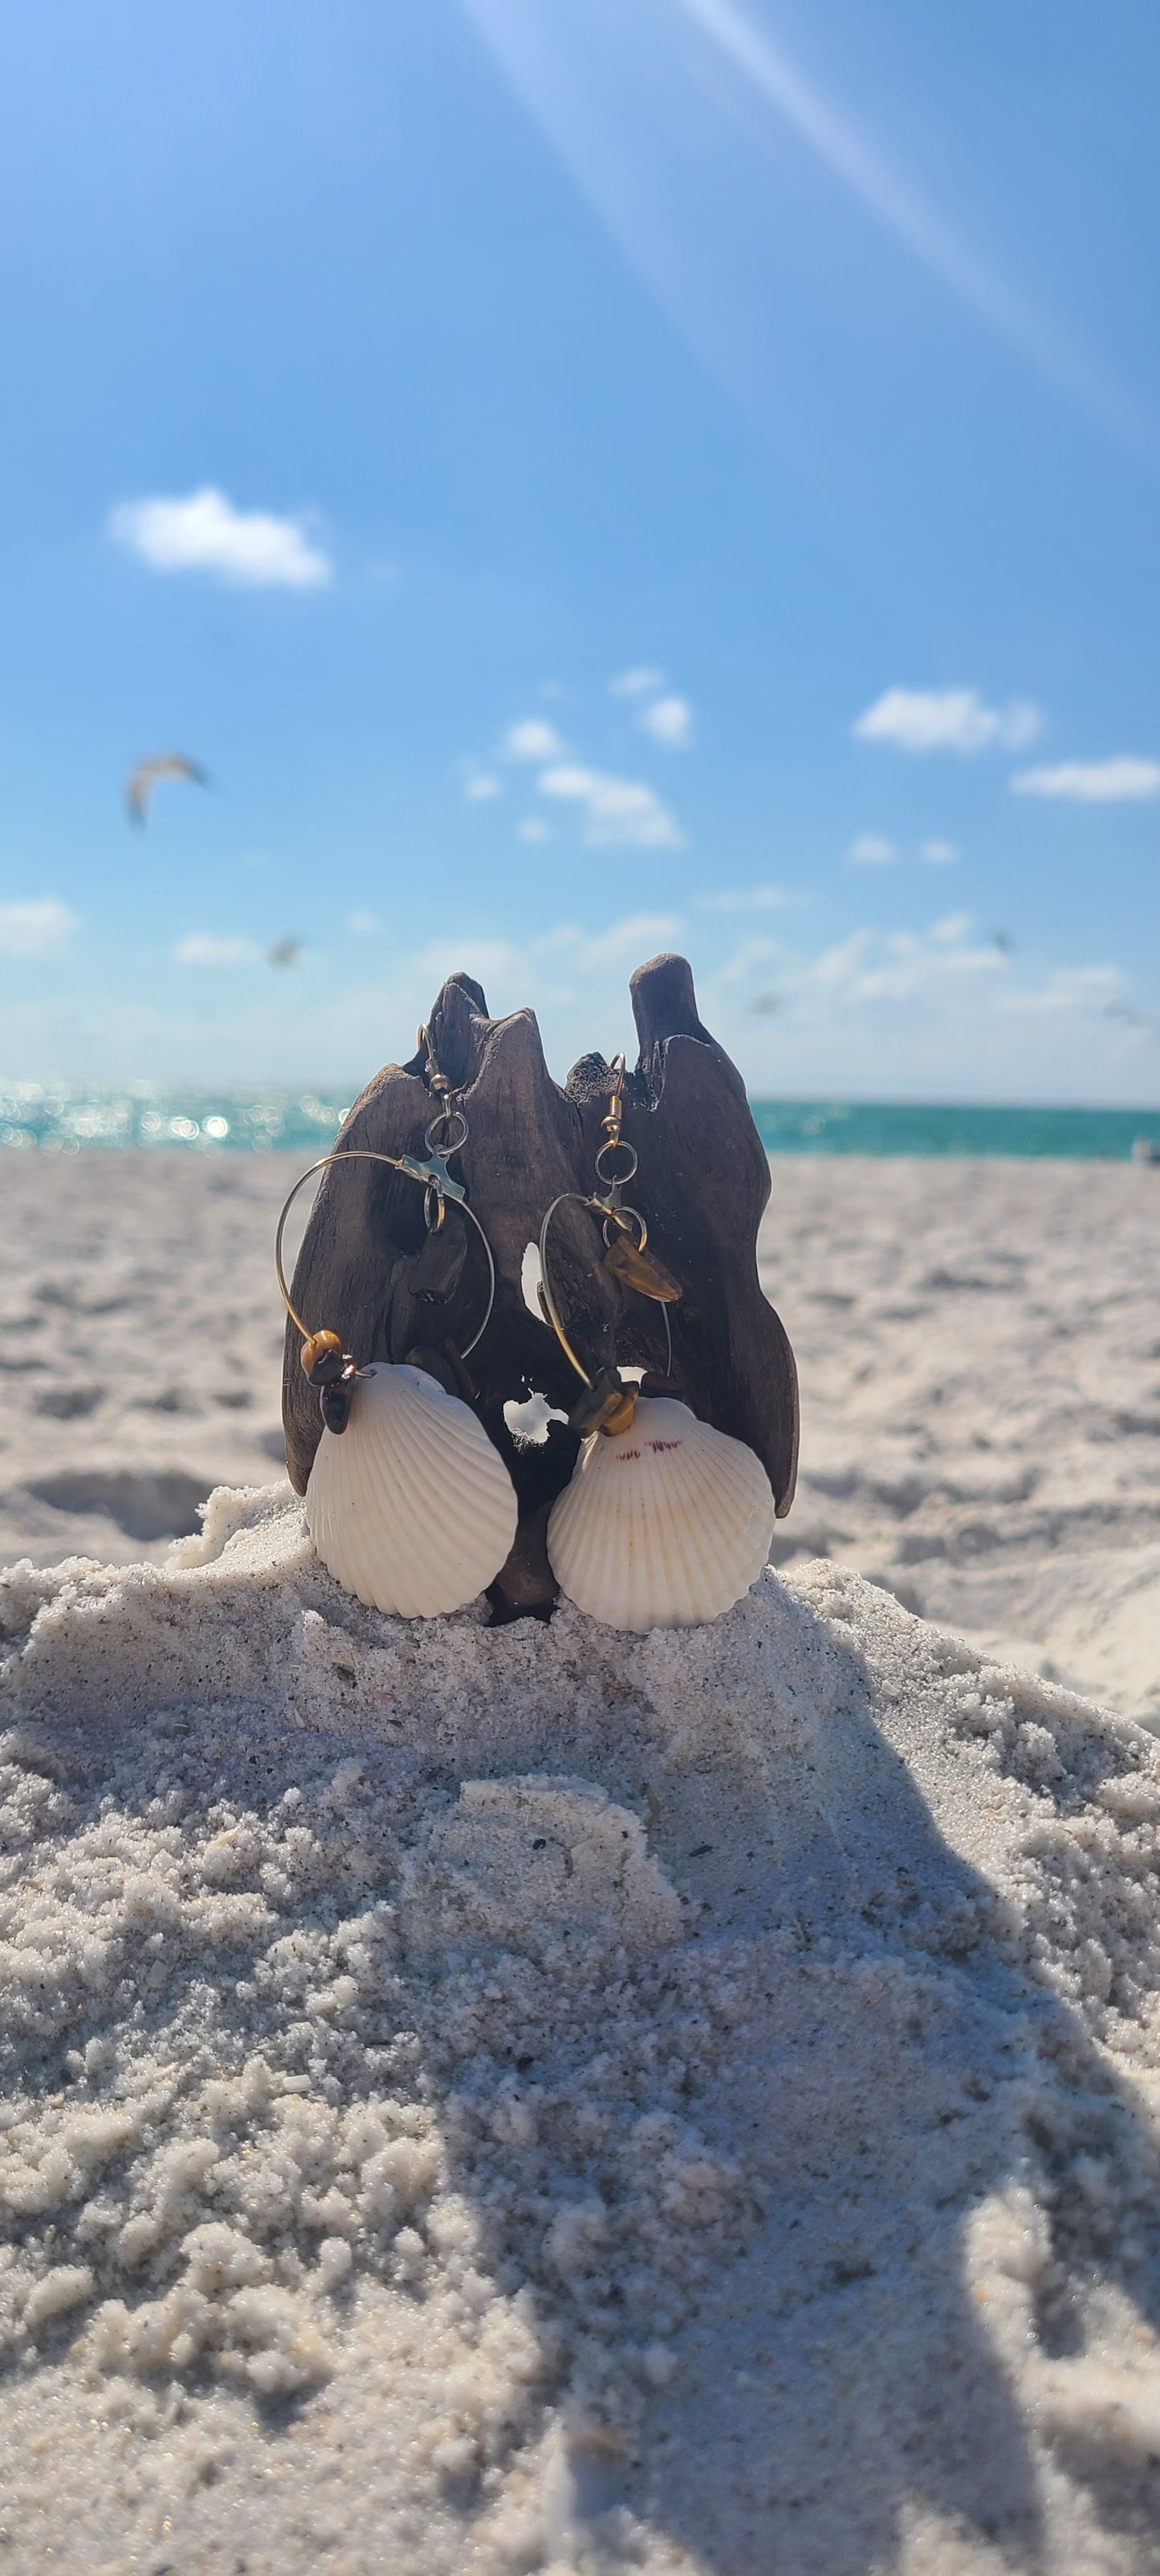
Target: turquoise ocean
column 35, row 1118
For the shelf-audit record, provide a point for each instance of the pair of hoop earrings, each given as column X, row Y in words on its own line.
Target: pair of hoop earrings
column 666, row 1522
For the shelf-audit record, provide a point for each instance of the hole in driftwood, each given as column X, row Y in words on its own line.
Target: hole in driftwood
column 528, row 1419
column 530, row 1277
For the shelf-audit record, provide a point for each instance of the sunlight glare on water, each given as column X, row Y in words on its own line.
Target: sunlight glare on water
column 35, row 1117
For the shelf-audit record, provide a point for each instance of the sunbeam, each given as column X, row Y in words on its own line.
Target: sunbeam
column 588, row 76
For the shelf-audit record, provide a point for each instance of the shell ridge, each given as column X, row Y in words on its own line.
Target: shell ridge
column 407, row 1508
column 686, row 1573
column 740, row 1486
column 662, row 1530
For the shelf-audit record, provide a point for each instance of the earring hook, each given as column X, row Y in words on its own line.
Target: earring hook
column 612, row 1208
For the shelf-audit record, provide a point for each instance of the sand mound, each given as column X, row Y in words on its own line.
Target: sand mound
column 537, row 2098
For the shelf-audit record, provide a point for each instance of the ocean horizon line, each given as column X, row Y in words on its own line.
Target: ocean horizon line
column 264, row 1117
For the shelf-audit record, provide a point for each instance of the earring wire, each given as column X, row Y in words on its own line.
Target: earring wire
column 613, row 1208
column 437, row 1183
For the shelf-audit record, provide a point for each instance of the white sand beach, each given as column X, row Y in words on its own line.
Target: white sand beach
column 538, row 2099
column 978, row 1343
column 979, row 1347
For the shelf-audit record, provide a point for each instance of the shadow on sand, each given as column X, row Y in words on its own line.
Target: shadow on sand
column 739, row 2173
column 885, row 2066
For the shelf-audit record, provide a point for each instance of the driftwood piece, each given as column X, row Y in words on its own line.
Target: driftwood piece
column 702, row 1185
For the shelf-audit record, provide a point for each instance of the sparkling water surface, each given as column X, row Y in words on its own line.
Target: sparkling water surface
column 38, row 1118
column 35, row 1117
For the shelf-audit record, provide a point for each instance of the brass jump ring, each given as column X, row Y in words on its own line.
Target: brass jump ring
column 617, row 1145
column 619, row 1217
column 572, row 1197
column 446, row 1118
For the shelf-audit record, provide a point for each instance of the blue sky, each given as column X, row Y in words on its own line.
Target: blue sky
column 584, row 480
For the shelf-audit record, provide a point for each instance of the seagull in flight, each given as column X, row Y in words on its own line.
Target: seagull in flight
column 1132, row 1018
column 148, row 775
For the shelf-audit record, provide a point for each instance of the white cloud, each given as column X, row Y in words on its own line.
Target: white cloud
column 618, row 810
column 763, row 898
column 903, row 1015
column 908, row 975
column 946, row 720
column 35, row 929
column 939, row 854
column 751, row 952
column 869, row 850
column 548, row 969
column 836, row 965
column 205, row 948
column 532, row 739
column 638, row 683
column 924, row 1013
column 630, row 942
column 1070, row 988
column 914, row 998
column 479, row 784
column 531, row 829
column 490, row 961
column 906, row 965
column 204, row 533
column 668, row 720
column 1122, row 781
column 364, row 924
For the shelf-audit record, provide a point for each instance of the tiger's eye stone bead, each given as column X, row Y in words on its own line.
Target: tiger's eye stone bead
column 334, row 1398
column 322, row 1358
column 605, row 1406
column 641, row 1270
column 623, row 1412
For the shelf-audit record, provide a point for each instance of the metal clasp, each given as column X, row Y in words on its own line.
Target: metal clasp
column 433, row 1173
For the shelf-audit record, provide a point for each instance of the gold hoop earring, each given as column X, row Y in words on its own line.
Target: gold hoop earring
column 666, row 1522
column 612, row 1404
column 408, row 1503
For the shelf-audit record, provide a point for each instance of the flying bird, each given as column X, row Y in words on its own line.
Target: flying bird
column 148, row 775
column 1132, row 1018
column 285, row 952
column 766, row 1004
column 1004, row 941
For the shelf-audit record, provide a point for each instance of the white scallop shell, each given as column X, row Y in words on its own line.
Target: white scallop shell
column 664, row 1525
column 410, row 1507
